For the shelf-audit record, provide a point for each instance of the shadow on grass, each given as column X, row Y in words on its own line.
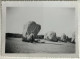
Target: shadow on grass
column 44, row 43
column 49, row 43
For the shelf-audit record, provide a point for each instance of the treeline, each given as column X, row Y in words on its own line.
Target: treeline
column 16, row 35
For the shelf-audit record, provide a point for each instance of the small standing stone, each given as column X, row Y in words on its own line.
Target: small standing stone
column 50, row 36
column 64, row 38
column 73, row 38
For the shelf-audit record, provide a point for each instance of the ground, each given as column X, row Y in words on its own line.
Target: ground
column 16, row 45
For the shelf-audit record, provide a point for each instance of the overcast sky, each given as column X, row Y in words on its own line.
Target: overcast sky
column 59, row 20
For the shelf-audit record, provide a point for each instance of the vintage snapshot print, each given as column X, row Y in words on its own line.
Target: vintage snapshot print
column 40, row 0
column 39, row 29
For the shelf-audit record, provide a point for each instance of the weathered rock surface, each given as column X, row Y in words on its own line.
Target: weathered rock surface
column 73, row 38
column 31, row 28
column 51, row 36
column 64, row 38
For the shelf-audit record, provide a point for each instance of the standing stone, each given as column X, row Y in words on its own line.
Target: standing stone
column 30, row 29
column 59, row 38
column 73, row 38
column 63, row 38
column 50, row 36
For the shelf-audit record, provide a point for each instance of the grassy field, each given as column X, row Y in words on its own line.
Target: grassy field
column 16, row 45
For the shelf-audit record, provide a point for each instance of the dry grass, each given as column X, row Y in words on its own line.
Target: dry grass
column 15, row 45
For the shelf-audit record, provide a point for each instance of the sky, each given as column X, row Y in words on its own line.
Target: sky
column 57, row 19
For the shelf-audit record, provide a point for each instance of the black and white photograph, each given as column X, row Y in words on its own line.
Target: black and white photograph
column 46, row 30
